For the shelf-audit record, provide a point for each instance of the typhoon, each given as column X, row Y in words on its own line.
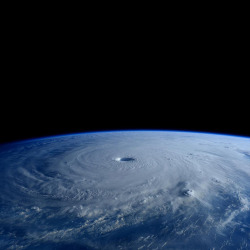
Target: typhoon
column 126, row 190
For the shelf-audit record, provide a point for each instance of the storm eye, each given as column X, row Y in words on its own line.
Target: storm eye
column 125, row 159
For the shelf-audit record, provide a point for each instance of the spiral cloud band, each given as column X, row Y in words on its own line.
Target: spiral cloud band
column 126, row 190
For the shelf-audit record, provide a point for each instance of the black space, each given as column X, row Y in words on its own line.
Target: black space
column 56, row 84
column 61, row 103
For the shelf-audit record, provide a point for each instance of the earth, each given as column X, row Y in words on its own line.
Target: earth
column 126, row 190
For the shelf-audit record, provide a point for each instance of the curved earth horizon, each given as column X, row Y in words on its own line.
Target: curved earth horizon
column 126, row 190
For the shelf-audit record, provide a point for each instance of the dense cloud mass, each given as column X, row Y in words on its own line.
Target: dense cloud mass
column 126, row 190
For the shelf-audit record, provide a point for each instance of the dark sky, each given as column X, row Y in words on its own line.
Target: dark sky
column 63, row 85
column 63, row 74
column 41, row 104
